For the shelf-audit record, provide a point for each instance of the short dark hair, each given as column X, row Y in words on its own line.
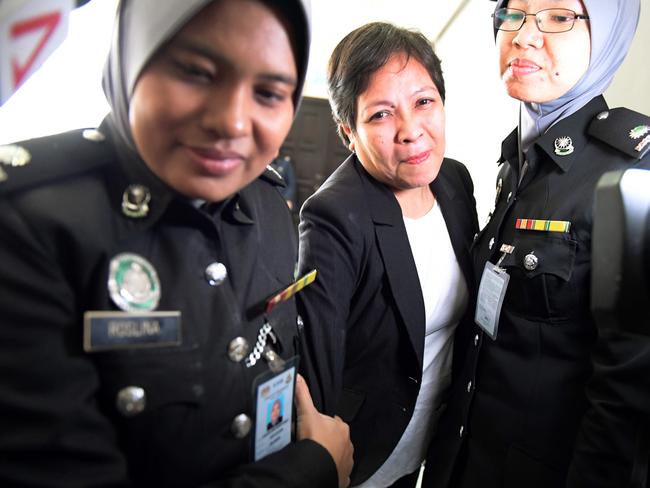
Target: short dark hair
column 364, row 51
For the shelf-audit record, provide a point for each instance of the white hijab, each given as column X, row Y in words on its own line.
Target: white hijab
column 613, row 24
column 143, row 26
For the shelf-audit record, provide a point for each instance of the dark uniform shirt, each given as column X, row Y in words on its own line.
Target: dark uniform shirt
column 173, row 415
column 516, row 412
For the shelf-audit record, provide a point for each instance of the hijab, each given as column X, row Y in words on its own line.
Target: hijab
column 143, row 26
column 612, row 26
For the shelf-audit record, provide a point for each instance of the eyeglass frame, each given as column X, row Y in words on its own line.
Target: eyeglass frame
column 576, row 16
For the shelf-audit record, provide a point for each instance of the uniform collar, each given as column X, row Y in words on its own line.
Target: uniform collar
column 134, row 172
column 573, row 127
column 131, row 172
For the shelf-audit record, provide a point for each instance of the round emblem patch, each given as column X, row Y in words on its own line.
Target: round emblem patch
column 133, row 283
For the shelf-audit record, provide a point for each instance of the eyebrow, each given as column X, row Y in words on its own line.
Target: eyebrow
column 215, row 57
column 379, row 103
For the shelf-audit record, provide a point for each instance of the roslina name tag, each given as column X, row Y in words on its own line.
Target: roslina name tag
column 129, row 330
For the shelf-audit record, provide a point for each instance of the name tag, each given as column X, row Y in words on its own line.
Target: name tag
column 274, row 416
column 105, row 331
column 491, row 292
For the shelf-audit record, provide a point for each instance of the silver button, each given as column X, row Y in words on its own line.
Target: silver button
column 237, row 349
column 216, row 274
column 509, row 196
column 131, row 401
column 475, row 236
column 241, row 426
column 93, row 135
column 602, row 115
column 469, row 387
column 460, row 432
column 299, row 322
column 530, row 262
column 491, row 244
column 135, row 201
column 476, row 339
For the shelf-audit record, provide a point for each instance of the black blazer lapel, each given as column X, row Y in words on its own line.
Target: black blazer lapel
column 455, row 213
column 397, row 257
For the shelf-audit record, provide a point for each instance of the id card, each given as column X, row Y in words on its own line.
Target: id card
column 274, row 412
column 491, row 293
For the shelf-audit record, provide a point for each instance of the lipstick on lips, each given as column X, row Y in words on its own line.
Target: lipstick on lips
column 523, row 67
column 417, row 158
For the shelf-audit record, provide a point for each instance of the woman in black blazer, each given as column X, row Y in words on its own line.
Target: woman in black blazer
column 389, row 233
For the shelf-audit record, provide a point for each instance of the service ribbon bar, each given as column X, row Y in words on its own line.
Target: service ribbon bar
column 291, row 290
column 543, row 225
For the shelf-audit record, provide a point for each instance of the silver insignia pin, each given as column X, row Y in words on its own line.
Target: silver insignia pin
column 639, row 131
column 563, row 146
column 135, row 201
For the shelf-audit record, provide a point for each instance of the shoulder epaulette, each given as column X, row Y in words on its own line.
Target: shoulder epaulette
column 623, row 129
column 38, row 161
column 272, row 176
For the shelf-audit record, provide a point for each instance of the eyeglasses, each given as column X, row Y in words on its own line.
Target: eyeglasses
column 550, row 20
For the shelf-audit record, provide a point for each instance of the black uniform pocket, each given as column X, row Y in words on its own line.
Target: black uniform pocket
column 541, row 269
column 165, row 376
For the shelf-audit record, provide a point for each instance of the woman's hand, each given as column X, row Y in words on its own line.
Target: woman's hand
column 330, row 432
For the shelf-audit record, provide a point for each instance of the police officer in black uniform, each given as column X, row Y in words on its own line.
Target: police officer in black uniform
column 515, row 416
column 139, row 345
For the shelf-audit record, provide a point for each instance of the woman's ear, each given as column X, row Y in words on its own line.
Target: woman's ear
column 350, row 135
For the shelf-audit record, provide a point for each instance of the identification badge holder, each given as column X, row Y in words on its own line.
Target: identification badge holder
column 274, row 391
column 273, row 397
column 491, row 293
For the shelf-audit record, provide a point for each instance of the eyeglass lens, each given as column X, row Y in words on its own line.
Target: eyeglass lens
column 548, row 20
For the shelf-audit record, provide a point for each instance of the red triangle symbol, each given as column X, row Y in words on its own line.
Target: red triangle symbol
column 46, row 22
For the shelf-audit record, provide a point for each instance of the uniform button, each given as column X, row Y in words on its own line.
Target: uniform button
column 530, row 262
column 476, row 339
column 509, row 196
column 241, row 426
column 491, row 244
column 460, row 432
column 602, row 115
column 237, row 349
column 475, row 236
column 13, row 155
column 131, row 401
column 299, row 322
column 469, row 387
column 93, row 135
column 216, row 274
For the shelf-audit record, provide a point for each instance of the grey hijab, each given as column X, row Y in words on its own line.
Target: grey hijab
column 613, row 24
column 143, row 26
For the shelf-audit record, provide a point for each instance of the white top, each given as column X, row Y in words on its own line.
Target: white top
column 445, row 298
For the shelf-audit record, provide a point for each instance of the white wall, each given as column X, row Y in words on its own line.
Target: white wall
column 66, row 92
